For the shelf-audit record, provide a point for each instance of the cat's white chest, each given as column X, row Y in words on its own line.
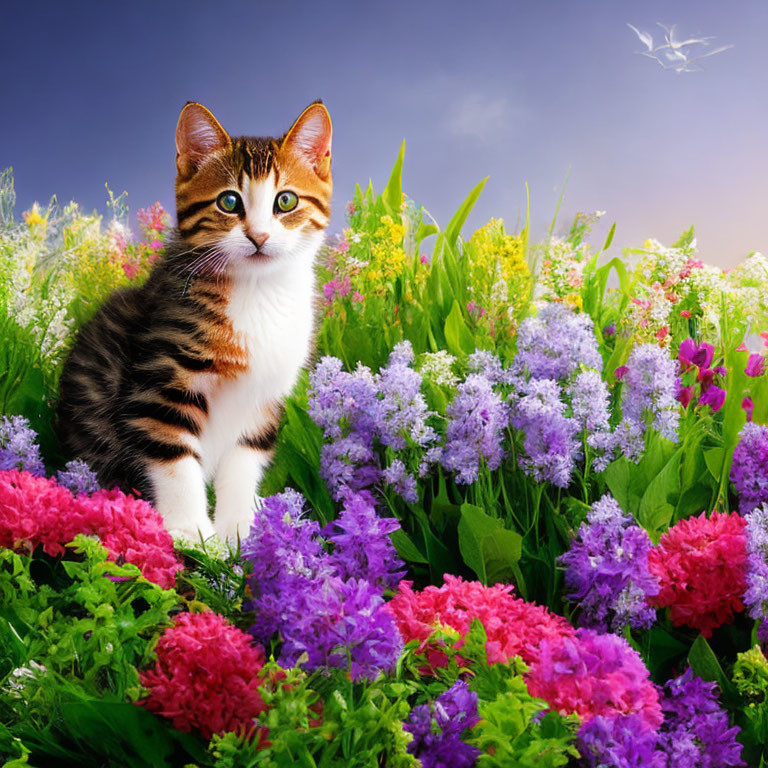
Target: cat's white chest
column 273, row 321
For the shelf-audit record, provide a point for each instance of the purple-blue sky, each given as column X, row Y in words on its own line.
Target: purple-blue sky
column 520, row 91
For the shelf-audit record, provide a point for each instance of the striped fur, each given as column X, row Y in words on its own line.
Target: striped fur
column 180, row 381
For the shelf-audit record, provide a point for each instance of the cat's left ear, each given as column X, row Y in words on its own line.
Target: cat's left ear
column 310, row 138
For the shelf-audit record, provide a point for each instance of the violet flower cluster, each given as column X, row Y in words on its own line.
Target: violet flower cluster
column 550, row 444
column 327, row 607
column 648, row 398
column 555, row 344
column 618, row 742
column 78, row 477
column 590, row 403
column 560, row 396
column 477, row 418
column 437, row 729
column 607, row 570
column 696, row 731
column 756, row 595
column 18, row 446
column 355, row 410
column 749, row 469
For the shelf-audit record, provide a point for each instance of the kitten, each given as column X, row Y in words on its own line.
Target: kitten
column 181, row 380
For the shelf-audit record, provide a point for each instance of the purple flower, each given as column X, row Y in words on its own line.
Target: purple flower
column 477, row 417
column 403, row 409
column 362, row 548
column 486, row 363
column 692, row 354
column 648, row 399
column 749, row 469
column 343, row 624
column 18, row 446
column 590, row 403
column 695, row 731
column 437, row 729
column 78, row 477
column 755, row 365
column 713, row 396
column 607, row 570
column 618, row 742
column 286, row 553
column 401, row 481
column 320, row 604
column 347, row 407
column 555, row 344
column 756, row 596
column 550, row 447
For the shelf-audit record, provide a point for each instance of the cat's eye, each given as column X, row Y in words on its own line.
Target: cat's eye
column 286, row 201
column 229, row 202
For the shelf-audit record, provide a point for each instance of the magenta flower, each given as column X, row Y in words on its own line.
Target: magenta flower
column 621, row 372
column 714, row 397
column 699, row 355
column 755, row 365
column 748, row 406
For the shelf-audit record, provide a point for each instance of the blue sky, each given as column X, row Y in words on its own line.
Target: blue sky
column 520, row 91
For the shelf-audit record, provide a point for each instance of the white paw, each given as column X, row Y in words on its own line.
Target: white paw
column 193, row 535
column 230, row 527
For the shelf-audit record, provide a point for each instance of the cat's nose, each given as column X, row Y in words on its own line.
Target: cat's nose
column 259, row 239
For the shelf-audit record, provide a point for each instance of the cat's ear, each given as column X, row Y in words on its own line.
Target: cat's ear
column 198, row 134
column 310, row 138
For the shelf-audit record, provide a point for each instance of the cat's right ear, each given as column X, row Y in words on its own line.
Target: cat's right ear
column 198, row 134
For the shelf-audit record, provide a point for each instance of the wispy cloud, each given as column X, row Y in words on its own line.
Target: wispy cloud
column 482, row 115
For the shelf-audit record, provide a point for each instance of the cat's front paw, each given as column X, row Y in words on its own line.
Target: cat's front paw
column 234, row 525
column 193, row 535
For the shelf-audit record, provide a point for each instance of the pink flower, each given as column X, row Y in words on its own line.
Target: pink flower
column 334, row 288
column 691, row 353
column 590, row 674
column 475, row 309
column 424, row 258
column 358, row 297
column 156, row 245
column 685, row 395
column 131, row 269
column 513, row 627
column 700, row 564
column 621, row 372
column 748, row 406
column 662, row 333
column 154, row 218
column 206, row 676
column 755, row 365
column 36, row 511
column 685, row 313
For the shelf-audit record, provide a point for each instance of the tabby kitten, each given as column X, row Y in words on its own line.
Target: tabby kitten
column 181, row 380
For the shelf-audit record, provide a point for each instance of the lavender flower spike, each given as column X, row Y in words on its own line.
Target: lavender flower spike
column 749, row 470
column 18, row 446
column 756, row 596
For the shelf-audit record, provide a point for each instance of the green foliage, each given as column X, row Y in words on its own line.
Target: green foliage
column 320, row 721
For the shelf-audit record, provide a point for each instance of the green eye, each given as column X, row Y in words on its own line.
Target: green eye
column 229, row 202
column 286, row 201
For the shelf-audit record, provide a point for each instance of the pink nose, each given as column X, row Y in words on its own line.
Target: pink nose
column 259, row 239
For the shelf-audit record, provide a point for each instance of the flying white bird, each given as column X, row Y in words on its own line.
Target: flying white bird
column 679, row 55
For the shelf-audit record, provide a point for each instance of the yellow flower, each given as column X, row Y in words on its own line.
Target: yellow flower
column 33, row 217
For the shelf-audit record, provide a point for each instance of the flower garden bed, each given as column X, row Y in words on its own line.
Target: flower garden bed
column 516, row 516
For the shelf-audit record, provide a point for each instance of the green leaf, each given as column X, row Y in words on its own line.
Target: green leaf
column 393, row 192
column 406, row 548
column 452, row 231
column 617, row 476
column 457, row 336
column 704, row 663
column 657, row 505
column 488, row 548
column 714, row 459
